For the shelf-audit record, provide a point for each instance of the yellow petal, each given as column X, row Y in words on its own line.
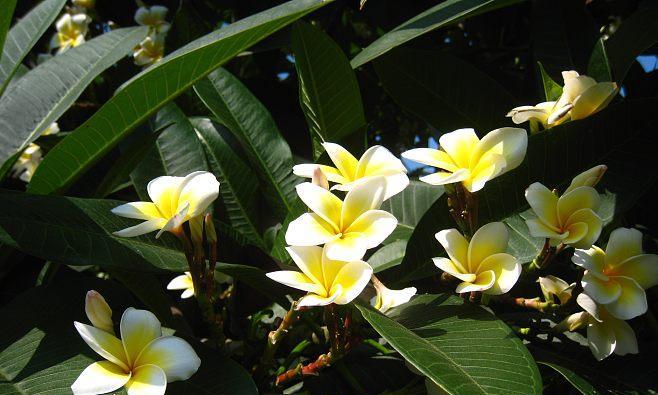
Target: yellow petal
column 544, row 204
column 575, row 85
column 330, row 269
column 345, row 162
column 98, row 311
column 309, row 260
column 460, row 144
column 104, row 344
column 199, row 189
column 539, row 112
column 311, row 300
column 593, row 228
column 352, row 279
column 506, row 269
column 538, row 228
column 577, row 199
column 184, row 281
column 138, row 210
column 173, row 355
column 449, row 267
column 378, row 161
column 147, row 380
column 308, row 230
column 387, row 299
column 588, row 178
column 296, row 280
column 431, row 157
column 483, row 282
column 601, row 291
column 593, row 100
column 490, row 166
column 100, row 378
column 374, row 226
column 490, row 239
column 510, row 143
column 138, row 328
column 443, row 178
column 363, row 197
column 350, row 247
column 306, row 170
column 641, row 268
column 632, row 300
column 623, row 243
column 322, row 202
column 575, row 233
column 592, row 259
column 164, row 191
column 456, row 246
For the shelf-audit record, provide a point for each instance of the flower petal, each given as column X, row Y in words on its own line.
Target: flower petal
column 544, row 204
column 345, row 162
column 308, row 230
column 632, row 300
column 184, row 281
column 164, row 191
column 296, row 280
column 526, row 113
column 395, row 184
column 100, row 378
column 199, row 189
column 577, row 199
column 510, row 143
column 98, row 311
column 460, row 144
column 105, row 344
column 374, row 226
column 625, row 340
column 602, row 292
column 592, row 259
column 138, row 328
column 147, row 380
column 352, row 279
column 575, row 233
column 456, row 246
column 173, row 355
column 507, row 270
column 350, row 247
column 138, row 210
column 379, row 161
column 589, row 305
column 431, row 157
column 592, row 232
column 306, row 170
column 537, row 228
column 587, row 178
column 601, row 340
column 309, row 260
column 141, row 229
column 443, row 178
column 449, row 267
column 363, row 197
column 490, row 239
column 489, row 167
column 483, row 282
column 623, row 244
column 322, row 202
column 593, row 100
column 641, row 268
column 311, row 300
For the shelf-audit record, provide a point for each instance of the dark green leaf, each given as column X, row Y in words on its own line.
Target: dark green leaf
column 552, row 90
column 22, row 36
column 410, row 205
column 443, row 90
column 252, row 125
column 443, row 14
column 388, row 256
column 45, row 93
column 147, row 92
column 6, row 12
column 599, row 66
column 578, row 382
column 460, row 346
column 328, row 90
column 256, row 279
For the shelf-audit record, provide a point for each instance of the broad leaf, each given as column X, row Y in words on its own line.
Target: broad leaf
column 22, row 36
column 460, row 346
column 388, row 256
column 239, row 191
column 552, row 90
column 578, row 382
column 41, row 352
column 410, row 205
column 599, row 66
column 6, row 12
column 45, row 93
column 443, row 14
column 253, row 126
column 443, row 90
column 328, row 90
column 256, row 279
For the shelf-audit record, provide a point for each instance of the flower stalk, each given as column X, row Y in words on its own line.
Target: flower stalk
column 463, row 207
column 274, row 338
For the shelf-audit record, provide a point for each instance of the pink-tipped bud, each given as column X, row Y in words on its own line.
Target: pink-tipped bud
column 319, row 179
column 98, row 311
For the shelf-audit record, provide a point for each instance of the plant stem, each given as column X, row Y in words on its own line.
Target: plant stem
column 273, row 341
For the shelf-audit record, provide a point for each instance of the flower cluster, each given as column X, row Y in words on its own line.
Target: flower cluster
column 151, row 49
column 30, row 158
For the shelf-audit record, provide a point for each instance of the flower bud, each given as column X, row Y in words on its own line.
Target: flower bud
column 196, row 231
column 320, row 179
column 573, row 322
column 211, row 234
column 587, row 178
column 98, row 311
column 388, row 298
column 552, row 286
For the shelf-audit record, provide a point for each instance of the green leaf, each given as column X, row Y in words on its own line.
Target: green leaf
column 6, row 12
column 240, row 193
column 254, row 128
column 22, row 37
column 148, row 91
column 460, row 346
column 443, row 90
column 578, row 382
column 42, row 352
column 45, row 93
column 388, row 256
column 79, row 232
column 410, row 205
column 599, row 66
column 176, row 152
column 328, row 90
column 552, row 90
column 443, row 14
column 256, row 279
column 636, row 34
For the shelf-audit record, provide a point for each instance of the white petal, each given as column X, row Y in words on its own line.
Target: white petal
column 199, row 189
column 98, row 311
column 587, row 178
column 449, row 267
column 296, row 280
column 431, row 157
column 147, row 380
column 138, row 328
column 641, row 268
column 184, row 281
column 173, row 355
column 601, row 340
column 537, row 228
column 379, row 161
column 306, row 170
column 188, row 293
column 100, row 378
column 363, row 197
column 308, row 230
column 483, row 282
column 507, row 270
column 589, row 305
column 593, row 100
column 322, row 202
column 623, row 244
column 490, row 239
column 350, row 247
column 592, row 259
column 511, row 143
column 141, row 229
column 456, row 245
column 460, row 144
column 309, row 260
column 632, row 300
column 352, row 279
column 164, row 192
column 626, row 342
column 374, row 226
column 345, row 162
column 105, row 344
column 602, row 292
column 443, row 178
column 138, row 210
column 592, row 232
column 544, row 204
column 577, row 199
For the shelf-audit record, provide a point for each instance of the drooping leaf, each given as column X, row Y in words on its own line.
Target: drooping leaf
column 253, row 126
column 148, row 91
column 460, row 346
column 552, row 90
column 6, row 12
column 443, row 90
column 45, row 93
column 578, row 382
column 328, row 90
column 443, row 14
column 599, row 65
column 22, row 36
column 239, row 191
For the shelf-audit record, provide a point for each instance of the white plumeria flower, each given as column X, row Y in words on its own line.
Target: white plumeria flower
column 143, row 360
column 376, row 161
column 387, row 298
column 326, row 281
column 617, row 277
column 184, row 282
column 570, row 219
column 27, row 163
column 605, row 333
column 98, row 311
column 150, row 50
column 53, row 128
column 153, row 17
column 482, row 264
column 348, row 228
column 581, row 97
column 465, row 158
column 553, row 287
column 71, row 31
column 175, row 200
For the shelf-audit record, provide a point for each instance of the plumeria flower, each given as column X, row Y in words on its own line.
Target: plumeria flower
column 581, row 97
column 349, row 227
column 184, row 282
column 153, row 17
column 326, row 281
column 376, row 161
column 99, row 312
column 465, row 158
column 617, row 277
column 387, row 298
column 588, row 178
column 481, row 264
column 150, row 50
column 71, row 31
column 553, row 287
column 605, row 333
column 143, row 360
column 27, row 163
column 175, row 200
column 53, row 128
column 570, row 219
